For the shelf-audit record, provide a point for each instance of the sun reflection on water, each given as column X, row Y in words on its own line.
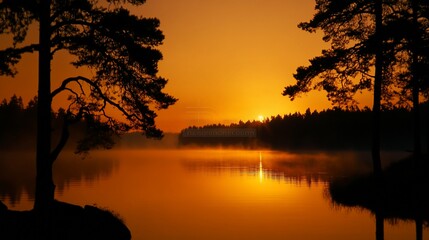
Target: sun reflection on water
column 261, row 171
column 224, row 194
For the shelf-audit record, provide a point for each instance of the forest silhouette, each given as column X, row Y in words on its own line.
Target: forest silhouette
column 327, row 129
column 18, row 127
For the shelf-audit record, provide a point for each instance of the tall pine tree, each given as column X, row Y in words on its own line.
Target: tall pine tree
column 119, row 47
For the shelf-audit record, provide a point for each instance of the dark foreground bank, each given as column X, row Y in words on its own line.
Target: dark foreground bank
column 65, row 221
column 401, row 193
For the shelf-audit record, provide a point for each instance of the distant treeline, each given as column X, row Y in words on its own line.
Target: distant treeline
column 328, row 129
column 18, row 125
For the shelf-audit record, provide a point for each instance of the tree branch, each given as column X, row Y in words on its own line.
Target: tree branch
column 64, row 87
column 65, row 134
column 71, row 22
column 27, row 49
column 365, row 73
column 11, row 56
column 98, row 90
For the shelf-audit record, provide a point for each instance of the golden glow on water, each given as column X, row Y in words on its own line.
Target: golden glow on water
column 261, row 171
column 222, row 194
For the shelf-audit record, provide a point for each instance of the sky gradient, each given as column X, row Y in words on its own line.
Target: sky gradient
column 226, row 60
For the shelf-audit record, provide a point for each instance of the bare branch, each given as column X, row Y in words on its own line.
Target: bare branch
column 71, row 90
column 365, row 73
column 65, row 134
column 64, row 86
column 99, row 92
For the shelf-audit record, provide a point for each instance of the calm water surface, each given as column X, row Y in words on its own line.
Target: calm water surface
column 209, row 194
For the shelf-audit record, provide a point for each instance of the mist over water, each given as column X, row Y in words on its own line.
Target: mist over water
column 18, row 169
column 179, row 193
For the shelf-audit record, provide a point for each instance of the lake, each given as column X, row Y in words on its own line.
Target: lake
column 209, row 193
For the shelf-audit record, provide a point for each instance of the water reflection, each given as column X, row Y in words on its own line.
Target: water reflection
column 17, row 173
column 299, row 168
column 399, row 196
column 215, row 194
column 261, row 169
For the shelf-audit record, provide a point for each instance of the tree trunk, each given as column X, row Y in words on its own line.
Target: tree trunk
column 376, row 159
column 419, row 229
column 44, row 184
column 415, row 84
column 379, row 226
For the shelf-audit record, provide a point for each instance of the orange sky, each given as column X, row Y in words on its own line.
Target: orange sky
column 226, row 60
